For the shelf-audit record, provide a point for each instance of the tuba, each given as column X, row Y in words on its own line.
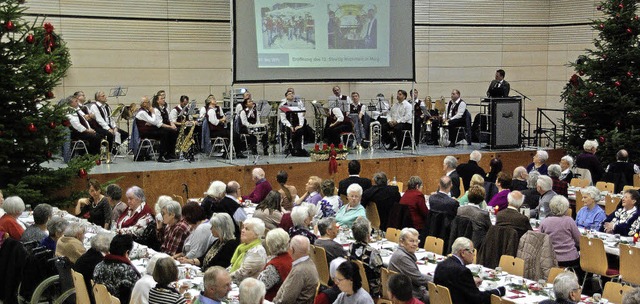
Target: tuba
column 105, row 151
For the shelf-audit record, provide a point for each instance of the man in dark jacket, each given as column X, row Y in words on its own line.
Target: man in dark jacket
column 383, row 195
column 511, row 217
column 441, row 201
column 354, row 178
column 466, row 171
column 449, row 166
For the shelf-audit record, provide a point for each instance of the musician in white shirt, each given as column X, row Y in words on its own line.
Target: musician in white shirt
column 357, row 114
column 454, row 115
column 400, row 119
column 150, row 125
column 80, row 127
column 107, row 126
column 174, row 115
column 292, row 119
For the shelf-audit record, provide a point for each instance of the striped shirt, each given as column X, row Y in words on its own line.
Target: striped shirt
column 159, row 295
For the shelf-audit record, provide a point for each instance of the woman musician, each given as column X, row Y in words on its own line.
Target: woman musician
column 250, row 120
column 336, row 124
column 151, row 125
column 217, row 123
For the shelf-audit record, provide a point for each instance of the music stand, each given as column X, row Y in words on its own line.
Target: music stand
column 118, row 91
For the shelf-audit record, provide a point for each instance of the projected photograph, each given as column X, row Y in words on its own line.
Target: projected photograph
column 352, row 26
column 288, row 25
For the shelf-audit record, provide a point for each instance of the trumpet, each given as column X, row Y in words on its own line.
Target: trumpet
column 105, row 151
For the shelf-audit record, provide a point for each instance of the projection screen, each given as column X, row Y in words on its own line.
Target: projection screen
column 320, row 40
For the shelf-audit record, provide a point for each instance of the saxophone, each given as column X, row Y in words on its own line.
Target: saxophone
column 185, row 140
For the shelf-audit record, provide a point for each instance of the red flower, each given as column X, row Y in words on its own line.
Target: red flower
column 340, row 146
column 316, row 148
column 324, row 146
column 48, row 28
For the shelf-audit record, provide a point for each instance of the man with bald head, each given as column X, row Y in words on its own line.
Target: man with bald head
column 621, row 172
column 519, row 181
column 442, row 201
column 263, row 187
column 511, row 217
column 300, row 285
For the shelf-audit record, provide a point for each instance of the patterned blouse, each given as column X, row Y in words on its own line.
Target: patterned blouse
column 173, row 237
column 373, row 262
column 299, row 230
column 329, row 206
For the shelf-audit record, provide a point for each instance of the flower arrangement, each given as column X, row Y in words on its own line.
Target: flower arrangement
column 318, row 154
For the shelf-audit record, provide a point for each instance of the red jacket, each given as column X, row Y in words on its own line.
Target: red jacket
column 414, row 198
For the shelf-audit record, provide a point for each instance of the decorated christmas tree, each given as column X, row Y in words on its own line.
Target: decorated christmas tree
column 603, row 96
column 33, row 127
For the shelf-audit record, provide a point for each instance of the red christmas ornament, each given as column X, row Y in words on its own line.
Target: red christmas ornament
column 621, row 6
column 599, row 7
column 32, row 128
column 601, row 25
column 581, row 73
column 49, row 95
column 98, row 162
column 30, row 39
column 584, row 114
column 52, row 125
column 316, row 148
column 601, row 139
column 9, row 25
column 635, row 17
column 617, row 83
column 49, row 154
column 591, row 94
column 66, row 123
column 629, row 74
column 629, row 30
column 48, row 28
column 48, row 68
column 82, row 173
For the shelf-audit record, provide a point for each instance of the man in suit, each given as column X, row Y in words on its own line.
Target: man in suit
column 519, row 181
column 371, row 38
column 511, row 217
column 621, row 171
column 453, row 274
column 441, row 201
column 449, row 166
column 499, row 87
column 354, row 178
column 383, row 195
column 466, row 171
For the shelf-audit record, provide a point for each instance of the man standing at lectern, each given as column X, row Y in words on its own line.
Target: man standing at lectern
column 499, row 87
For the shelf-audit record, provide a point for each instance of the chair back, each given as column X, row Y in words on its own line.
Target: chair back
column 385, row 274
column 461, row 188
column 593, row 258
column 613, row 292
column 580, row 182
column 82, row 293
column 553, row 273
column 629, row 259
column 396, row 183
column 630, row 187
column 499, row 241
column 636, row 180
column 579, row 202
column 610, row 203
column 434, row 244
column 438, row 294
column 372, row 215
column 512, row 265
column 319, row 257
column 498, row 300
column 602, row 186
column 102, row 295
column 392, row 235
column 583, row 174
column 363, row 275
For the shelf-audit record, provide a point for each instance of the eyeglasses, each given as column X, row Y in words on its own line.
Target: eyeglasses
column 470, row 250
column 337, row 280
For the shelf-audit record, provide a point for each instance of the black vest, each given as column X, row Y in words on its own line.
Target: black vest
column 178, row 109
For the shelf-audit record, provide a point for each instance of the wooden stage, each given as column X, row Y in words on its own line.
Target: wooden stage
column 167, row 179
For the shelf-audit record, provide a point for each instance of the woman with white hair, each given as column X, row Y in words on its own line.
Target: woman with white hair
column 591, row 216
column 563, row 232
column 252, row 291
column 566, row 163
column 351, row 211
column 214, row 194
column 404, row 261
column 220, row 251
column 362, row 251
column 588, row 160
column 87, row 262
column 173, row 230
column 250, row 257
column 13, row 207
column 138, row 215
column 538, row 163
column 71, row 244
column 301, row 217
column 278, row 268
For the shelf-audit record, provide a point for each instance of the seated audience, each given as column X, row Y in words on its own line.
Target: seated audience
column 312, row 194
column 511, row 217
column 531, row 194
column 479, row 217
column 590, row 216
column 621, row 172
column 301, row 283
column 495, row 167
column 173, row 230
column 398, row 292
column 350, row 283
column 622, row 220
column 563, row 233
column 566, row 289
column 70, row 245
column 140, row 292
column 251, row 291
column 278, row 268
column 38, row 231
column 217, row 284
column 566, row 164
column 328, row 232
column 200, row 238
column 559, row 186
column 261, row 189
column 384, row 195
column 354, row 178
column 269, row 210
column 221, row 250
column 116, row 271
column 288, row 193
column 441, row 201
column 96, row 208
column 467, row 170
column 87, row 262
column 519, row 180
column 13, row 206
column 301, row 217
column 362, row 251
column 138, row 215
column 544, row 187
column 404, row 261
column 349, row 212
column 476, row 180
column 503, row 182
column 165, row 273
column 56, row 227
column 330, row 202
column 453, row 274
column 414, row 199
column 114, row 195
column 250, row 257
column 329, row 294
column 449, row 167
column 538, row 164
column 631, row 297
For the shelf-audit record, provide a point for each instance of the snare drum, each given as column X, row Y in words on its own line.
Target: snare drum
column 257, row 130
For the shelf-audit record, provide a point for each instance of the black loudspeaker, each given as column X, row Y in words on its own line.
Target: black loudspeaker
column 505, row 122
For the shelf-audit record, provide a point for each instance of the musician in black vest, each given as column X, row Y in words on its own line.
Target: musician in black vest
column 357, row 115
column 106, row 126
column 455, row 115
column 293, row 122
column 218, row 126
column 160, row 103
column 337, row 123
column 418, row 114
column 499, row 87
column 150, row 125
column 174, row 115
column 250, row 118
column 84, row 107
column 80, row 127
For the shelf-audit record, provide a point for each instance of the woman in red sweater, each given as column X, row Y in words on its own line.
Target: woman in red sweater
column 414, row 199
column 278, row 268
